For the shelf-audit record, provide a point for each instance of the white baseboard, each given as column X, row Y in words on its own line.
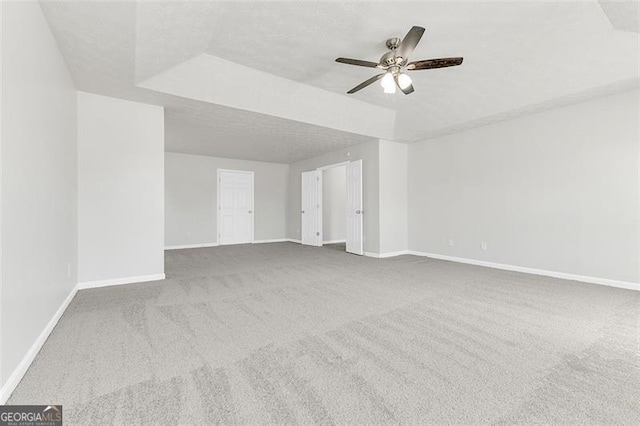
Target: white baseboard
column 13, row 380
column 393, row 253
column 533, row 271
column 21, row 369
column 278, row 240
column 119, row 281
column 292, row 240
column 334, row 241
column 189, row 246
column 387, row 254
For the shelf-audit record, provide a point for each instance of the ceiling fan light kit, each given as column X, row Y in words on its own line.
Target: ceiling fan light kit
column 395, row 62
column 387, row 83
column 404, row 81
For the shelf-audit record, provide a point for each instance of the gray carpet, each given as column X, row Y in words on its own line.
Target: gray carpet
column 280, row 333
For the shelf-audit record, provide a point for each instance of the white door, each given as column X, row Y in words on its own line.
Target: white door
column 354, row 208
column 311, row 208
column 235, row 207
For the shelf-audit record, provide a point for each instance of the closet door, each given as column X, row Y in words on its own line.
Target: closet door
column 235, row 207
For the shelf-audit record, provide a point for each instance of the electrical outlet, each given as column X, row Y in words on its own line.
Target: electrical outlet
column 484, row 246
column 450, row 242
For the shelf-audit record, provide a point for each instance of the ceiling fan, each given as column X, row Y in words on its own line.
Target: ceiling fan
column 395, row 62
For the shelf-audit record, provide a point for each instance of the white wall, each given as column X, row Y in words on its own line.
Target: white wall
column 334, row 204
column 368, row 153
column 39, row 192
column 120, row 189
column 556, row 191
column 190, row 198
column 393, row 197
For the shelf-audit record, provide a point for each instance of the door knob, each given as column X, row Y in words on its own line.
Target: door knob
column 302, row 212
column 358, row 211
column 250, row 211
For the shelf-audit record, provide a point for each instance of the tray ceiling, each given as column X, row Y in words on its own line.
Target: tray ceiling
column 262, row 75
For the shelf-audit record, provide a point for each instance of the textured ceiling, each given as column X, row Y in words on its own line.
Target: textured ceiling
column 623, row 15
column 206, row 129
column 519, row 57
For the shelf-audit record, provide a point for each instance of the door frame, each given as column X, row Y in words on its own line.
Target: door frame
column 360, row 252
column 319, row 225
column 321, row 195
column 253, row 207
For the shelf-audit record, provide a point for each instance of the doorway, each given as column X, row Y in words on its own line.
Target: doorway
column 334, row 205
column 312, row 231
column 235, row 207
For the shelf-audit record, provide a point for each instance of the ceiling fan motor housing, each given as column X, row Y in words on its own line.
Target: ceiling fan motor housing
column 388, row 59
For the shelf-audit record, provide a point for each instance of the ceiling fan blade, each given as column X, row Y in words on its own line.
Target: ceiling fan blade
column 357, row 62
column 433, row 63
column 409, row 42
column 366, row 83
column 406, row 90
